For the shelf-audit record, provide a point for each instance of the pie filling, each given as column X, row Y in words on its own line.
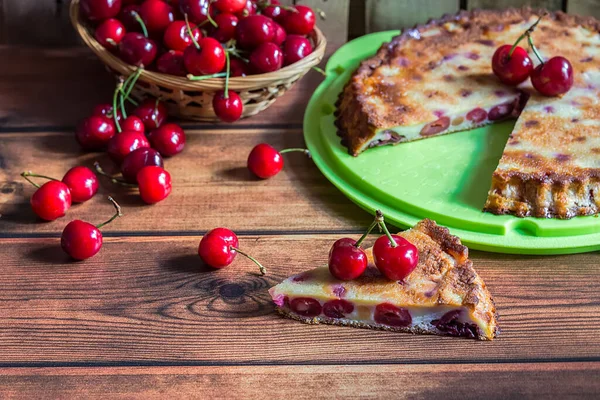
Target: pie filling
column 445, row 320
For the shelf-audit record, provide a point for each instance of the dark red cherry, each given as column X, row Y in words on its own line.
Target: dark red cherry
column 137, row 49
column 295, row 49
column 299, row 21
column 238, row 67
column 106, row 110
column 157, row 15
column 208, row 59
column 196, row 10
column 127, row 18
column 124, row 143
column 177, row 36
column 273, row 11
column 390, row 315
column 264, row 161
column 169, row 139
column 229, row 6
column 94, row 133
column 280, row 34
column 82, row 183
column 138, row 159
column 254, row 30
column 306, row 306
column 512, row 69
column 154, row 184
column 133, row 123
column 267, row 57
column 171, row 63
column 216, row 248
column 337, row 308
column 98, row 10
column 227, row 109
column 395, row 263
column 110, row 33
column 153, row 113
column 51, row 200
column 225, row 31
column 554, row 77
column 346, row 260
column 249, row 9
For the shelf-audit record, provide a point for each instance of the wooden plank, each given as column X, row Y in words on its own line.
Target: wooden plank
column 148, row 300
column 59, row 87
column 211, row 187
column 584, row 7
column 541, row 380
column 499, row 4
column 2, row 24
column 356, row 19
column 335, row 24
column 384, row 15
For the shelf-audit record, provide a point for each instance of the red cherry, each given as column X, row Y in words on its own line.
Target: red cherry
column 124, row 143
column 82, row 183
column 208, row 59
column 171, row 63
column 225, row 31
column 296, row 48
column 127, row 18
column 98, row 10
column 137, row 49
column 196, row 10
column 106, row 110
column 94, row 133
column 264, row 161
column 238, row 67
column 513, row 69
column 230, row 6
column 337, row 308
column 273, row 11
column 346, row 261
column 249, row 9
column 299, row 21
column 268, row 57
column 177, row 37
column 157, row 15
column 254, row 30
column 153, row 113
column 280, row 34
column 110, row 33
column 133, row 123
column 554, row 77
column 138, row 159
column 227, row 109
column 154, row 184
column 215, row 248
column 396, row 263
column 390, row 315
column 51, row 200
column 306, row 306
column 169, row 139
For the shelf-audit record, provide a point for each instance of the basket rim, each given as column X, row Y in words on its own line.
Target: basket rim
column 235, row 83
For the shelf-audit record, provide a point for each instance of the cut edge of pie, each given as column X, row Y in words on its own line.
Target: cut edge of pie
column 444, row 295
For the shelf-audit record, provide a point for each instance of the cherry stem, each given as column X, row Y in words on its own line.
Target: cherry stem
column 212, row 21
column 381, row 223
column 189, row 29
column 117, row 213
column 129, row 84
column 141, row 22
column 236, row 53
column 112, row 178
column 528, row 32
column 305, row 151
column 27, row 174
column 115, row 113
column 263, row 270
column 364, row 236
column 321, row 13
column 227, row 72
column 535, row 50
column 320, row 70
column 203, row 77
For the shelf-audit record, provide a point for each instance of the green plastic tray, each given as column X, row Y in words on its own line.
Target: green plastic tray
column 444, row 178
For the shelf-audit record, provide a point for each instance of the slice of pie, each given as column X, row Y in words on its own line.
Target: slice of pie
column 437, row 78
column 443, row 295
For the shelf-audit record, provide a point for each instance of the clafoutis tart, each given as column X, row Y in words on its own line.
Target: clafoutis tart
column 437, row 78
column 444, row 295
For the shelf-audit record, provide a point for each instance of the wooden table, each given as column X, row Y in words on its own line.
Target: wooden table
column 145, row 318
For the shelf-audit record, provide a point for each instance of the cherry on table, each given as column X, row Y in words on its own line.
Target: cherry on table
column 51, row 200
column 177, row 36
column 267, row 57
column 228, row 109
column 219, row 247
column 136, row 49
column 264, row 161
column 300, row 20
column 226, row 26
column 152, row 112
column 514, row 68
column 254, row 30
column 110, row 33
column 347, row 261
column 82, row 240
column 138, row 159
column 106, row 110
column 82, row 183
column 154, row 184
column 98, row 10
column 205, row 59
column 295, row 48
column 133, row 123
column 171, row 63
column 554, row 77
column 94, row 133
column 124, row 143
column 169, row 139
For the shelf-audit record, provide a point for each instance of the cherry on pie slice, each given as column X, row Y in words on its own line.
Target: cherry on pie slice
column 443, row 295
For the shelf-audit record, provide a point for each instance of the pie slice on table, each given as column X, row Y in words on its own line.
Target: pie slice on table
column 443, row 295
column 437, row 78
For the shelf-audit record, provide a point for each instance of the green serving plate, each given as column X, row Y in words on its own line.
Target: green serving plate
column 445, row 178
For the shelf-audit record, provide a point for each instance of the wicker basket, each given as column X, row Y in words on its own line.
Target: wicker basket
column 193, row 100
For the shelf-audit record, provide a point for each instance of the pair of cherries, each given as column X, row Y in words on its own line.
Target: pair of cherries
column 512, row 65
column 395, row 257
